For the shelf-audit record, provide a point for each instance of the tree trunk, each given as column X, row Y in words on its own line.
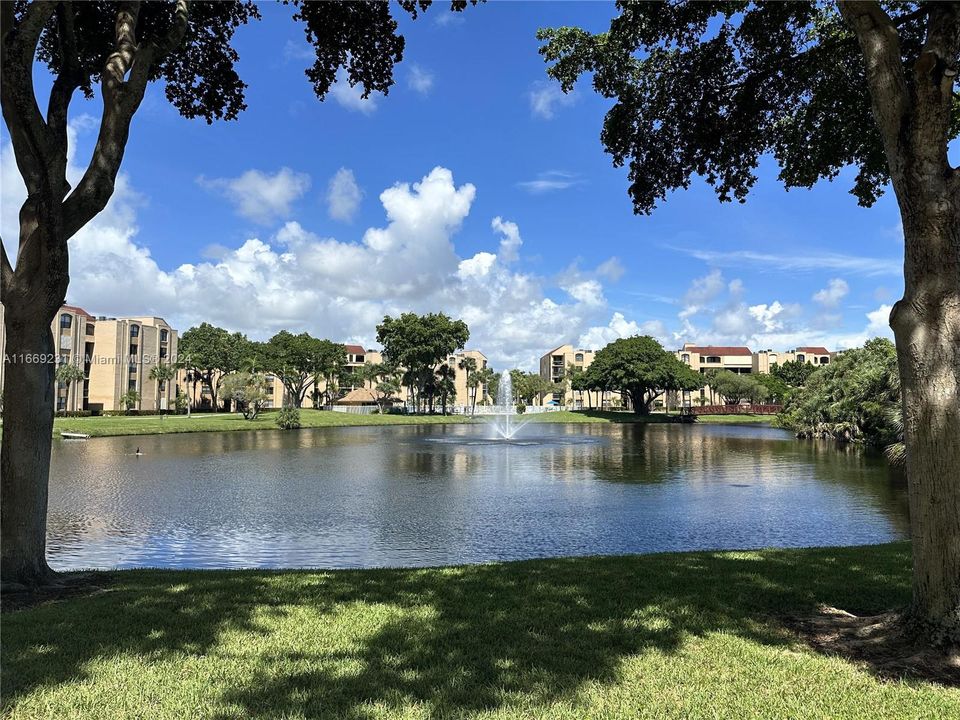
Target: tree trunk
column 25, row 451
column 926, row 323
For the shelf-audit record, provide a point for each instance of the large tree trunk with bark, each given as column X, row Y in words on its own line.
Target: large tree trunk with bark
column 926, row 324
column 25, row 452
column 912, row 105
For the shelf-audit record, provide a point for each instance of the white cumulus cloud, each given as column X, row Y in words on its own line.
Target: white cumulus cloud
column 351, row 96
column 343, row 195
column 830, row 296
column 259, row 196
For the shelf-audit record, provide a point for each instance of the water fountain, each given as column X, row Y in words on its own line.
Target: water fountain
column 505, row 420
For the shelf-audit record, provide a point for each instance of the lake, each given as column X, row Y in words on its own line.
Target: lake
column 444, row 494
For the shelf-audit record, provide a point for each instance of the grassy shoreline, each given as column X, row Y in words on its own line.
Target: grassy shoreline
column 227, row 422
column 684, row 635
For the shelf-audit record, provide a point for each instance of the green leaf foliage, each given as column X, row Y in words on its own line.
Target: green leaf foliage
column 419, row 343
column 200, row 76
column 854, row 398
column 641, row 368
column 707, row 88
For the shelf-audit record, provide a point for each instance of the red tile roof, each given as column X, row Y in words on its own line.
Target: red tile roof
column 355, row 350
column 719, row 350
column 814, row 350
column 76, row 310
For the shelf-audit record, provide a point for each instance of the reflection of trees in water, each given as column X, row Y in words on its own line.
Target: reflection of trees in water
column 655, row 453
column 652, row 454
column 865, row 472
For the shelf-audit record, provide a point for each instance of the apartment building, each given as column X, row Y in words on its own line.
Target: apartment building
column 765, row 360
column 464, row 394
column 115, row 354
column 554, row 366
column 74, row 340
column 125, row 351
column 703, row 358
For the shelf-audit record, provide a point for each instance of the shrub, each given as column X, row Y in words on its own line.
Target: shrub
column 288, row 418
column 521, row 409
column 72, row 413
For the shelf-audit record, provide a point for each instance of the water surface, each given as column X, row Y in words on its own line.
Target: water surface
column 443, row 494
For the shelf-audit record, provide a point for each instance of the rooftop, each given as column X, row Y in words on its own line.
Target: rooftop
column 719, row 350
column 76, row 310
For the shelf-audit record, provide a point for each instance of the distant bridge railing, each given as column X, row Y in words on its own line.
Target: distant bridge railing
column 735, row 409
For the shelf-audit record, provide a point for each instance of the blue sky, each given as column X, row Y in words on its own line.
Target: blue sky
column 292, row 216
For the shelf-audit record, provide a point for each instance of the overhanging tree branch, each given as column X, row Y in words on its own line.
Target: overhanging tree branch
column 121, row 98
column 880, row 44
column 24, row 121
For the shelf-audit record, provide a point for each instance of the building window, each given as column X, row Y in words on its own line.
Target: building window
column 578, row 357
column 163, row 336
column 685, row 357
column 134, row 331
column 132, row 384
column 133, row 351
column 825, row 360
column 66, row 320
column 713, row 359
column 801, row 358
column 89, row 330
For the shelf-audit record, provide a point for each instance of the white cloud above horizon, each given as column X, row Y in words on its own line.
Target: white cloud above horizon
column 549, row 181
column 343, row 195
column 351, row 97
column 293, row 278
column 420, row 80
column 853, row 264
column 546, row 97
column 259, row 196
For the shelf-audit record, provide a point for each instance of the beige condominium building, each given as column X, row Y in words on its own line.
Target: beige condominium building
column 741, row 360
column 465, row 395
column 358, row 357
column 555, row 366
column 115, row 354
column 703, row 358
column 765, row 360
column 125, row 352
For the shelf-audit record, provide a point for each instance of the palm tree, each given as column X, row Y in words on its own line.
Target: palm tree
column 469, row 366
column 69, row 373
column 162, row 373
column 445, row 385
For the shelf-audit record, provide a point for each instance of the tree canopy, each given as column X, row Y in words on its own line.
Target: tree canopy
column 736, row 388
column 298, row 361
column 707, row 88
column 793, row 372
column 641, row 368
column 212, row 352
column 419, row 343
column 856, row 397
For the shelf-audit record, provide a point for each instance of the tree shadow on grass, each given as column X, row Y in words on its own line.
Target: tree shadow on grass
column 449, row 641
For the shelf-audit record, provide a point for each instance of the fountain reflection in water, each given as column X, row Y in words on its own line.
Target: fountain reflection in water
column 506, row 421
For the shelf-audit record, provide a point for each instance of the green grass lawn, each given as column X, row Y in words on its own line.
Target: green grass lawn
column 206, row 422
column 694, row 635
